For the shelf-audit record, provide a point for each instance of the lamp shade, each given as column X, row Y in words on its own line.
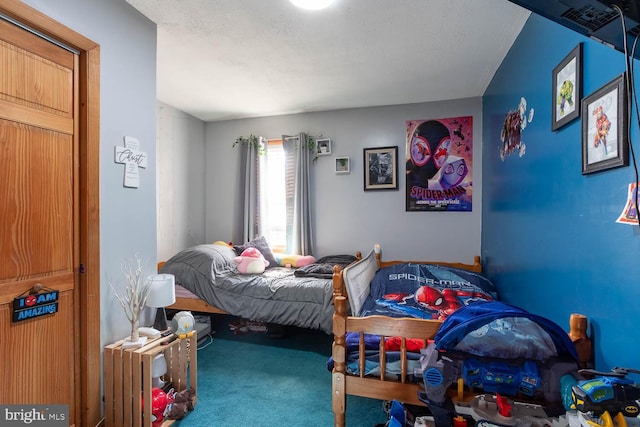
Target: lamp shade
column 158, row 369
column 162, row 290
column 159, row 366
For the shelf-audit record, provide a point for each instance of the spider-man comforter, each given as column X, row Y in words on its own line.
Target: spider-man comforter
column 425, row 291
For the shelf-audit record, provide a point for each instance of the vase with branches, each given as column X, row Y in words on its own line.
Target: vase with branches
column 133, row 298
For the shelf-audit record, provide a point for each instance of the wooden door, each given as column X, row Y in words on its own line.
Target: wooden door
column 39, row 218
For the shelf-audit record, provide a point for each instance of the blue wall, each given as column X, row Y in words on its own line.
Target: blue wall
column 549, row 237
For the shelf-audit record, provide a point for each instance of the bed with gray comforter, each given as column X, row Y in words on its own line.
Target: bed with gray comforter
column 277, row 296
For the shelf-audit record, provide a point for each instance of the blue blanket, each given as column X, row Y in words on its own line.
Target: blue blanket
column 425, row 291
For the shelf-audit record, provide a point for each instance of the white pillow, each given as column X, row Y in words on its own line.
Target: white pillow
column 357, row 279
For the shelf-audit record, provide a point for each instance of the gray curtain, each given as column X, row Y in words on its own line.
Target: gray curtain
column 251, row 191
column 298, row 167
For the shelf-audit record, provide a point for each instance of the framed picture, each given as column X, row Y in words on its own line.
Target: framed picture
column 342, row 165
column 604, row 128
column 567, row 89
column 381, row 168
column 323, row 146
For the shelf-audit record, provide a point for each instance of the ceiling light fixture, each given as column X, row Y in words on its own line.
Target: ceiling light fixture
column 312, row 4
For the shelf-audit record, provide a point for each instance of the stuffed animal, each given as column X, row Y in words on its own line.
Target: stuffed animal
column 182, row 403
column 251, row 261
column 291, row 260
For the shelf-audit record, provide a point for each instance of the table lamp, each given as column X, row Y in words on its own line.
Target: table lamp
column 158, row 369
column 162, row 292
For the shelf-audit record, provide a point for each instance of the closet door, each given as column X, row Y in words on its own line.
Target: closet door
column 39, row 354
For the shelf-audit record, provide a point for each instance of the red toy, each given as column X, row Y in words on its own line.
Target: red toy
column 158, row 405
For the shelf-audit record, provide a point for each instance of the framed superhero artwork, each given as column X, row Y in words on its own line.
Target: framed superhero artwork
column 604, row 128
column 567, row 89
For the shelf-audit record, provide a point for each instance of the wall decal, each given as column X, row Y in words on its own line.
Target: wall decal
column 629, row 214
column 132, row 159
column 439, row 164
column 514, row 123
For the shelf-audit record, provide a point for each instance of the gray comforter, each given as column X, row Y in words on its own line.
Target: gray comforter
column 276, row 296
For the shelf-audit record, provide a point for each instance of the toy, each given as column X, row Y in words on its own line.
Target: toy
column 502, row 377
column 182, row 324
column 251, row 261
column 182, row 403
column 611, row 392
column 158, row 406
column 438, row 373
column 295, row 261
column 504, row 411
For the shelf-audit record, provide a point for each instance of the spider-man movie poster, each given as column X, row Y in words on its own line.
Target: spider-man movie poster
column 439, row 164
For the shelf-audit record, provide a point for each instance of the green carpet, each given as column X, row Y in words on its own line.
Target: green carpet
column 258, row 381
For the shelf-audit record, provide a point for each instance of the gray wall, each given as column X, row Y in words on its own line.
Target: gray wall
column 346, row 217
column 181, row 185
column 127, row 108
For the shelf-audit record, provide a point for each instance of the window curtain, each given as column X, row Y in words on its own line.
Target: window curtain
column 297, row 168
column 250, row 165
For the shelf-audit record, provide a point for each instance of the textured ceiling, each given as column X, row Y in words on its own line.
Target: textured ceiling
column 228, row 59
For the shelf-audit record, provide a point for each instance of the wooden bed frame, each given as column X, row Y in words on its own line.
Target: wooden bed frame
column 344, row 384
column 188, row 301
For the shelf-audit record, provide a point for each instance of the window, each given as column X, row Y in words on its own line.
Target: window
column 273, row 200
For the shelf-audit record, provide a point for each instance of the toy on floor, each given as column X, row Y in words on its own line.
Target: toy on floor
column 501, row 410
column 158, row 406
column 610, row 392
column 242, row 326
column 182, row 403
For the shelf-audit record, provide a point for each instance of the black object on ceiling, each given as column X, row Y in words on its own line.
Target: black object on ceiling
column 596, row 19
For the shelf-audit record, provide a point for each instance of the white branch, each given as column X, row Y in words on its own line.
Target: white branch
column 135, row 294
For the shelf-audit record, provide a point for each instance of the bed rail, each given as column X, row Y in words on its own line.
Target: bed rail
column 380, row 387
column 476, row 266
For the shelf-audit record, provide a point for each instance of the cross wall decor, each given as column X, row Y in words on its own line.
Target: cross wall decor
column 132, row 159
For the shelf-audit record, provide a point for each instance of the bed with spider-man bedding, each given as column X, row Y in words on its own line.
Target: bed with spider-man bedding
column 385, row 313
column 407, row 330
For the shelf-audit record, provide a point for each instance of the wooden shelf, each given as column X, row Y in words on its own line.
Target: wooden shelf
column 127, row 378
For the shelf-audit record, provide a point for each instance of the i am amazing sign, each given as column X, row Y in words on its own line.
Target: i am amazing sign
column 35, row 305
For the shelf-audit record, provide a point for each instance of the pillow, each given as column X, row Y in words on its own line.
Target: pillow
column 200, row 263
column 260, row 243
column 295, row 261
column 357, row 279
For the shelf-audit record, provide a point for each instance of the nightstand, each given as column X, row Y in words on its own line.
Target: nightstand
column 127, row 378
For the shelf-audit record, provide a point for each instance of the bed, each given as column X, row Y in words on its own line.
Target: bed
column 377, row 330
column 208, row 281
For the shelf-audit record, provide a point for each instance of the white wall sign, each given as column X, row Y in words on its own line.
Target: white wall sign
column 132, row 159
